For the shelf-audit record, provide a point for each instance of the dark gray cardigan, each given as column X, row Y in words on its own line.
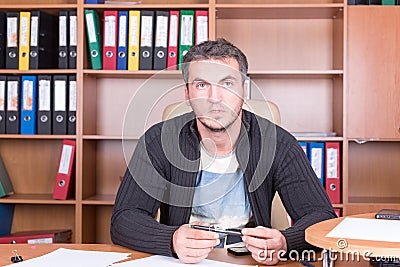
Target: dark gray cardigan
column 162, row 174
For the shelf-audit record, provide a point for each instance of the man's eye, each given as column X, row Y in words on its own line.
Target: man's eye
column 201, row 85
column 228, row 84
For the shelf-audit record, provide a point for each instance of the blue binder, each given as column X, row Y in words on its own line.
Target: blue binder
column 28, row 104
column 123, row 22
column 303, row 145
column 6, row 215
column 316, row 155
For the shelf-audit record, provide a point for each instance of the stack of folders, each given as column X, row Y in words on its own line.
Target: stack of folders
column 374, row 2
column 38, row 40
column 143, row 39
column 324, row 158
column 43, row 104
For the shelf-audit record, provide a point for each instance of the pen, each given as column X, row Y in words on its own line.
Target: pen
column 216, row 230
column 306, row 263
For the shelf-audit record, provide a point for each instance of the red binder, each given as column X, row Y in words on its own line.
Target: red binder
column 38, row 237
column 332, row 170
column 63, row 187
column 110, row 33
column 201, row 26
column 172, row 59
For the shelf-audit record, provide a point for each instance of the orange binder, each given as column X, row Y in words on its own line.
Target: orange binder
column 63, row 187
column 110, row 37
column 332, row 169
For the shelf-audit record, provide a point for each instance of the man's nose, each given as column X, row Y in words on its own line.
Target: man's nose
column 215, row 93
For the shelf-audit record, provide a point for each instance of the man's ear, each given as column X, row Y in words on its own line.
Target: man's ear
column 187, row 94
column 246, row 88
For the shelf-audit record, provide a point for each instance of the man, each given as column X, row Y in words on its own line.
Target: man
column 218, row 165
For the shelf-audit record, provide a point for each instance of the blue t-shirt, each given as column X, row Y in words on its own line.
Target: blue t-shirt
column 220, row 197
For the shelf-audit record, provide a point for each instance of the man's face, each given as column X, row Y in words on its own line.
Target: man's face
column 215, row 92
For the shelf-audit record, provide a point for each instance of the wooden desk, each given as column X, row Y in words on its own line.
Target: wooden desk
column 316, row 235
column 31, row 251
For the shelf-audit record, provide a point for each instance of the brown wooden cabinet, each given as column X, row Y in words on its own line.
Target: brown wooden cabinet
column 296, row 51
column 373, row 108
column 373, row 72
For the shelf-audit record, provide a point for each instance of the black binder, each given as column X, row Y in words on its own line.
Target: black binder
column 3, row 34
column 71, row 125
column 351, row 2
column 44, row 32
column 375, row 2
column 12, row 40
column 13, row 105
column 161, row 40
column 63, row 22
column 60, row 104
column 73, row 39
column 3, row 104
column 44, row 104
column 146, row 40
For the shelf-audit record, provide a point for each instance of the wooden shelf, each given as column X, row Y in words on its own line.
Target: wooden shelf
column 36, row 199
column 278, row 11
column 317, row 60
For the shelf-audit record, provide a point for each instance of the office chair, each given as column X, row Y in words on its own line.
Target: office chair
column 265, row 109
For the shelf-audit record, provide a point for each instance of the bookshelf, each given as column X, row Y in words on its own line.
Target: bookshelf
column 300, row 52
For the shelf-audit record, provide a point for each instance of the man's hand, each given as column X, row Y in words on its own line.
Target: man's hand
column 264, row 244
column 192, row 245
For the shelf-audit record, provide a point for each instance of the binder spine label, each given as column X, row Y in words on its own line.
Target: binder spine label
column 187, row 27
column 73, row 28
column 91, row 32
column 202, row 29
column 162, row 32
column 12, row 96
column 146, row 35
column 28, row 95
column 34, row 31
column 133, row 24
column 109, row 38
column 2, row 94
column 316, row 161
column 63, row 31
column 122, row 32
column 12, row 36
column 24, row 31
column 72, row 96
column 173, row 31
column 65, row 158
column 44, row 95
column 60, row 95
column 331, row 160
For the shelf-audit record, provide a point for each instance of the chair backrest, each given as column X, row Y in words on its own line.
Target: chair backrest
column 265, row 109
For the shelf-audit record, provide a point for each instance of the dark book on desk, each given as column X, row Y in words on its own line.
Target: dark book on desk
column 38, row 237
column 6, row 187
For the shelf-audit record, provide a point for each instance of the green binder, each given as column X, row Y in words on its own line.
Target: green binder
column 186, row 34
column 388, row 2
column 93, row 37
column 6, row 187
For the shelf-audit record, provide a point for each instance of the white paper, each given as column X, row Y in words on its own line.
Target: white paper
column 171, row 262
column 63, row 257
column 367, row 229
